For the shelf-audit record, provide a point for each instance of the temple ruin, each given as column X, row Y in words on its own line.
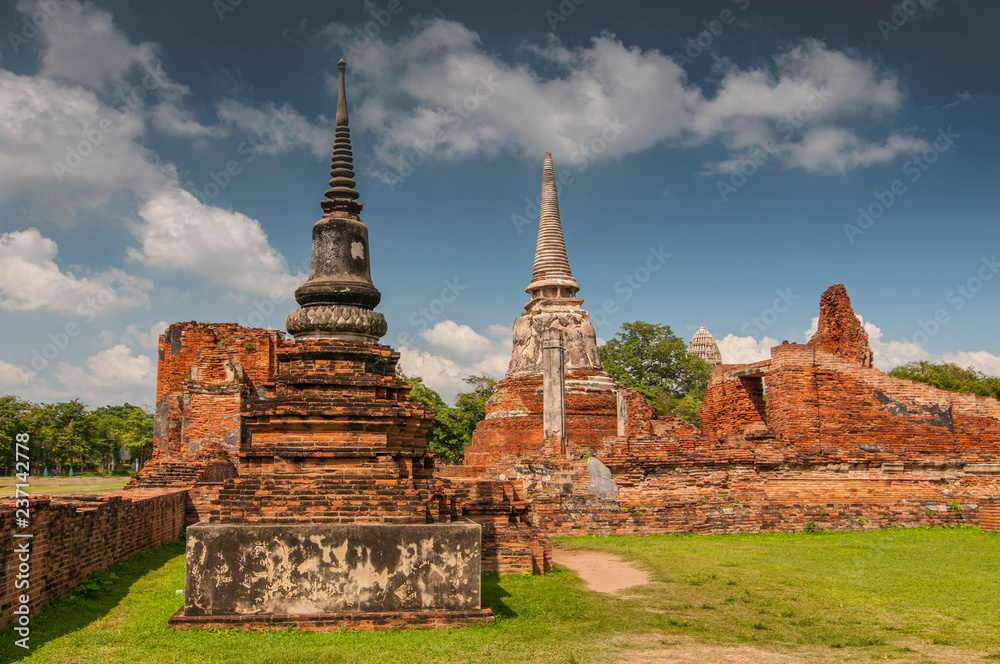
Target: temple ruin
column 315, row 504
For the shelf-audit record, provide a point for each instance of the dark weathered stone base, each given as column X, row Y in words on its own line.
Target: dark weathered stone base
column 257, row 571
column 329, row 622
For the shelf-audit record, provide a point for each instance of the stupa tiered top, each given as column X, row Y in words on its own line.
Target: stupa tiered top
column 338, row 299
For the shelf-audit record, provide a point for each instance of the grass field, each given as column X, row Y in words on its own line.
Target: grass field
column 59, row 486
column 922, row 595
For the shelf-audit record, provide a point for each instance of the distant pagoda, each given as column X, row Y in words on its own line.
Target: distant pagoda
column 703, row 345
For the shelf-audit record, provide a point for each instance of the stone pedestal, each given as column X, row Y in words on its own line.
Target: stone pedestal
column 239, row 572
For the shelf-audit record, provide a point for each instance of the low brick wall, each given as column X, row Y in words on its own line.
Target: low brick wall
column 75, row 535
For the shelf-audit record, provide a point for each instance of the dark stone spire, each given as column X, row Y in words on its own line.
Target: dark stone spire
column 338, row 298
column 342, row 195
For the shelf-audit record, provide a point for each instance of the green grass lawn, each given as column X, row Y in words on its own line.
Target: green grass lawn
column 923, row 595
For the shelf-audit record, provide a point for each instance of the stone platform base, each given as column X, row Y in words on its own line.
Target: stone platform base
column 307, row 572
column 329, row 622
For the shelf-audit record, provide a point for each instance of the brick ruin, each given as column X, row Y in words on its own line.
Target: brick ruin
column 813, row 437
column 332, row 487
column 258, row 436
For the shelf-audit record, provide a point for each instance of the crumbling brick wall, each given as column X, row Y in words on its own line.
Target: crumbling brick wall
column 202, row 372
column 75, row 536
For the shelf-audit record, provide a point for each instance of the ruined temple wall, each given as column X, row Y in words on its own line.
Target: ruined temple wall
column 74, row 536
column 514, row 426
column 817, row 400
column 719, row 499
column 201, row 370
column 732, row 404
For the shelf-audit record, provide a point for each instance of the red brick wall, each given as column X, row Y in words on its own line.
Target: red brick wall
column 201, row 373
column 989, row 514
column 514, row 428
column 829, row 406
column 77, row 536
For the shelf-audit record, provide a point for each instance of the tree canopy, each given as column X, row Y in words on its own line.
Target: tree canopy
column 949, row 376
column 652, row 360
column 452, row 428
column 66, row 433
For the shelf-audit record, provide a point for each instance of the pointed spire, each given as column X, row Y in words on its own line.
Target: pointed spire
column 551, row 278
column 338, row 299
column 342, row 196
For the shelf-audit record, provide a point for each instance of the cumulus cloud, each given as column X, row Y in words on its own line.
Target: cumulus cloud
column 277, row 129
column 52, row 136
column 979, row 360
column 148, row 339
column 891, row 353
column 30, row 280
column 182, row 233
column 457, row 352
column 112, row 375
column 744, row 350
column 438, row 92
column 835, row 149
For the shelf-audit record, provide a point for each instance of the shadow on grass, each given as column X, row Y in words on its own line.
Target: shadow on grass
column 493, row 594
column 89, row 602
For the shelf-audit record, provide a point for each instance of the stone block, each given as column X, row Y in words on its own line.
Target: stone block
column 304, row 569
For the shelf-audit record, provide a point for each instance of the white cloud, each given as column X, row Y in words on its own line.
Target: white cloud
column 13, row 378
column 439, row 91
column 979, row 360
column 112, row 375
column 461, row 352
column 30, row 280
column 276, row 130
column 744, row 350
column 892, row 353
column 182, row 233
column 835, row 149
column 53, row 136
column 148, row 339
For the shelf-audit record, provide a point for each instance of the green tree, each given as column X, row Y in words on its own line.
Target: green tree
column 443, row 436
column 949, row 376
column 15, row 418
column 470, row 407
column 655, row 362
column 452, row 428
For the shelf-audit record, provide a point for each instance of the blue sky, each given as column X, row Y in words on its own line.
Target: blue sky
column 720, row 163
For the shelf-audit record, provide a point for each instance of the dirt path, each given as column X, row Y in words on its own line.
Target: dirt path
column 603, row 572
